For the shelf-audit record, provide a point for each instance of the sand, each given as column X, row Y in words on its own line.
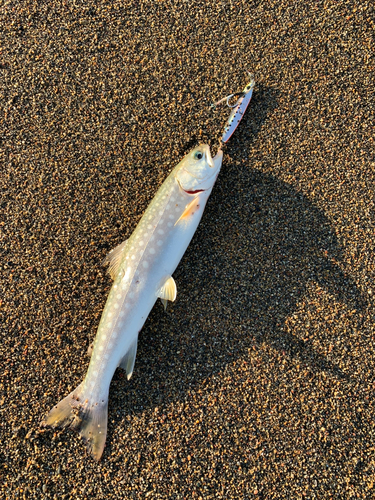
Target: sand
column 258, row 382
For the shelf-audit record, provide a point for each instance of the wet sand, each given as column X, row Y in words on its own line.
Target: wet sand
column 258, row 382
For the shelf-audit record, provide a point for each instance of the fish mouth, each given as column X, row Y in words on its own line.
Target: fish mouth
column 197, row 191
column 191, row 191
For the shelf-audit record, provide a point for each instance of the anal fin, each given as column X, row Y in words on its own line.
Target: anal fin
column 90, row 349
column 127, row 362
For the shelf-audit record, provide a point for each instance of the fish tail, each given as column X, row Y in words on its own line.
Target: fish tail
column 89, row 418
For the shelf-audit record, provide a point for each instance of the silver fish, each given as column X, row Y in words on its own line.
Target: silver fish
column 142, row 269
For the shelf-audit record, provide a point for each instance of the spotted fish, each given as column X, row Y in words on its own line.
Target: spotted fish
column 142, row 269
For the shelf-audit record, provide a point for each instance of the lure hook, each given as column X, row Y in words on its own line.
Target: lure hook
column 226, row 99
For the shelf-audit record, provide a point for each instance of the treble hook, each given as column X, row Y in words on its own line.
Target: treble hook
column 226, row 99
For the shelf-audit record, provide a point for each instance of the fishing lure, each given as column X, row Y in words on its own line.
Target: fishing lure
column 238, row 110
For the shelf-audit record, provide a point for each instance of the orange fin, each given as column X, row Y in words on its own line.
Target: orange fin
column 190, row 209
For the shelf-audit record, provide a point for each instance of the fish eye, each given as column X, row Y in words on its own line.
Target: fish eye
column 198, row 155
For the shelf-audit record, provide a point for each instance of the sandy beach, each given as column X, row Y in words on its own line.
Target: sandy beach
column 258, row 382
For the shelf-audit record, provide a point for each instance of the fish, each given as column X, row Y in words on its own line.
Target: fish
column 142, row 269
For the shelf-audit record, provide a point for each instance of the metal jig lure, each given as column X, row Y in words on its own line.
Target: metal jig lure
column 238, row 110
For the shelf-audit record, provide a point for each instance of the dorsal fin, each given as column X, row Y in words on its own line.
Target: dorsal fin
column 168, row 291
column 113, row 258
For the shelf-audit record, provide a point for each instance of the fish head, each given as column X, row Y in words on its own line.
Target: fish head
column 198, row 171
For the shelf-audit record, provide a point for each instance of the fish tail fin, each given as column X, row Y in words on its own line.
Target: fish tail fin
column 89, row 418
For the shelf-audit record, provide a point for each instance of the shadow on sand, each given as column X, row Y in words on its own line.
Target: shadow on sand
column 250, row 263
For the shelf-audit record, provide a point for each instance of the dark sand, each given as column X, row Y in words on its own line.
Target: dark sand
column 258, row 382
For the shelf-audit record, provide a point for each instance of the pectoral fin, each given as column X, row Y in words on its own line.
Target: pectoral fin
column 168, row 292
column 127, row 362
column 190, row 209
column 113, row 258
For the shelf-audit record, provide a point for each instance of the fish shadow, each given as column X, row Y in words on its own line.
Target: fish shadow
column 260, row 247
